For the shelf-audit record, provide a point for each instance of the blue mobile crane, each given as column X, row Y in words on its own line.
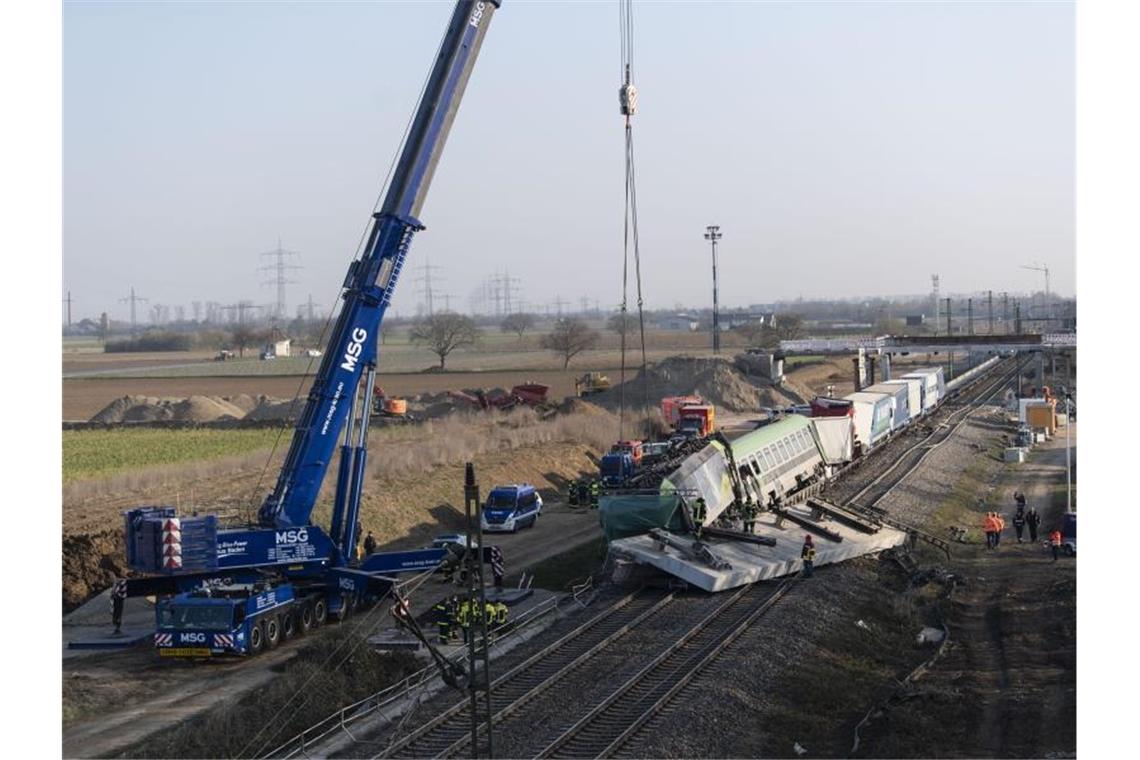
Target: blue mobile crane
column 243, row 590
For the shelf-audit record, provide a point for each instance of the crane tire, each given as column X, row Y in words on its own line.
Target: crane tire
column 272, row 631
column 256, row 639
column 289, row 625
column 306, row 618
column 345, row 606
column 320, row 611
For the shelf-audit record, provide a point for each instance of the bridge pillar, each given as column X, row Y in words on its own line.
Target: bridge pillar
column 1039, row 377
column 886, row 367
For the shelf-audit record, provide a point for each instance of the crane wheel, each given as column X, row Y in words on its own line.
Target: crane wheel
column 272, row 631
column 289, row 625
column 345, row 606
column 256, row 639
column 306, row 616
column 320, row 612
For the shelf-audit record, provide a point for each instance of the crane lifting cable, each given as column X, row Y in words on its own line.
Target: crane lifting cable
column 627, row 98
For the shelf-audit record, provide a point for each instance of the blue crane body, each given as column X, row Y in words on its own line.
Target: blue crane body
column 243, row 590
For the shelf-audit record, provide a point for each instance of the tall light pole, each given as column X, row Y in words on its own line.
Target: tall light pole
column 712, row 235
column 1068, row 452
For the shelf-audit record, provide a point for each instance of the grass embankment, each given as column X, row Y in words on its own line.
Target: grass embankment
column 99, row 453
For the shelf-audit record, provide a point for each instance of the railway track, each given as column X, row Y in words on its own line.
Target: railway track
column 449, row 733
column 907, row 461
column 605, row 729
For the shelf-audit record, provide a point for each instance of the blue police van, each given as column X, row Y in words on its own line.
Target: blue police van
column 511, row 507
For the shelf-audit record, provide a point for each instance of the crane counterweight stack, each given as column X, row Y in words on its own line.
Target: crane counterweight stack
column 255, row 584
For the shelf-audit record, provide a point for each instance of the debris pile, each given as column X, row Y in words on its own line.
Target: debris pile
column 715, row 379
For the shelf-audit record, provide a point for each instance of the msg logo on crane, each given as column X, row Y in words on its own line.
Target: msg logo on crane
column 477, row 14
column 352, row 353
column 295, row 536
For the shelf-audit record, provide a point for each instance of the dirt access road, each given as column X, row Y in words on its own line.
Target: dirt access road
column 1006, row 686
column 127, row 695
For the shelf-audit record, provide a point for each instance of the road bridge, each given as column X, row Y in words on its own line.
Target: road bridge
column 930, row 344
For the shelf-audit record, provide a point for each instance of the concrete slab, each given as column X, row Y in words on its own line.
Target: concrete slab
column 87, row 629
column 751, row 562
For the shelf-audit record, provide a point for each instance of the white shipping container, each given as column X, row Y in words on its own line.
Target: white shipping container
column 914, row 394
column 873, row 415
column 933, row 385
column 900, row 409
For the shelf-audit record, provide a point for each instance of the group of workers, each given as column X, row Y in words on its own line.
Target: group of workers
column 993, row 525
column 451, row 613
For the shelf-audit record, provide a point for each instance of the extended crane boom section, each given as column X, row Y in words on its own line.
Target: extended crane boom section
column 368, row 290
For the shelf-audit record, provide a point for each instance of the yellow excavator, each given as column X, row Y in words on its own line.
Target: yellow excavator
column 590, row 383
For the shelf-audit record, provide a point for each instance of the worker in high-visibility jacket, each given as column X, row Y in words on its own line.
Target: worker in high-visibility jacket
column 442, row 612
column 463, row 617
column 807, row 554
column 1055, row 542
column 989, row 526
column 489, row 612
column 501, row 612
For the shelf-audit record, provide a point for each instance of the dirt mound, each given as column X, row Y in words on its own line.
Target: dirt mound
column 152, row 409
column 275, row 409
column 206, row 409
column 715, row 379
column 91, row 562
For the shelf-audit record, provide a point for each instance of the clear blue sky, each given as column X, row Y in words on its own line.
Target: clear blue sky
column 844, row 148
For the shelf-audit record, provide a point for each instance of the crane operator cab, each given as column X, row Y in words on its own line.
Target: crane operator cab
column 509, row 508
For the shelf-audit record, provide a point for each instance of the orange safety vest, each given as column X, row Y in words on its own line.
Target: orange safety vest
column 1055, row 537
column 1000, row 523
column 988, row 524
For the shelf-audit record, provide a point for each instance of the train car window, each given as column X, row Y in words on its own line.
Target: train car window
column 783, row 450
column 768, row 458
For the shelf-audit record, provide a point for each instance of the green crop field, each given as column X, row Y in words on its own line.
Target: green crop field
column 95, row 453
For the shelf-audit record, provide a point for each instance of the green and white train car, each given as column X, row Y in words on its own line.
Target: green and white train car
column 771, row 462
column 777, row 459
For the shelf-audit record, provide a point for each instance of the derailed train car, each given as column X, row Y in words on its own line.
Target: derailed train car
column 770, row 466
column 764, row 467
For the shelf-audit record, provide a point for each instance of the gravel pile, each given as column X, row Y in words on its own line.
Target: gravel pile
column 715, row 379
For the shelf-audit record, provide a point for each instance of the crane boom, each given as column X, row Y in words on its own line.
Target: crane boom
column 368, row 287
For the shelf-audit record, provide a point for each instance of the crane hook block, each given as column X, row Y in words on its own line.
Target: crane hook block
column 627, row 96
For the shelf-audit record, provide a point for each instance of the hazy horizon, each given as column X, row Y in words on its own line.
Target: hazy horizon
column 844, row 149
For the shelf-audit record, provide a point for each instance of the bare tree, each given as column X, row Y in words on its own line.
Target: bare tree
column 244, row 336
column 752, row 332
column 517, row 323
column 570, row 337
column 622, row 324
column 443, row 332
column 786, row 327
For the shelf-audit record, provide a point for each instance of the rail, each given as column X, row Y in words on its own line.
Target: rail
column 448, row 733
column 340, row 720
column 617, row 718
